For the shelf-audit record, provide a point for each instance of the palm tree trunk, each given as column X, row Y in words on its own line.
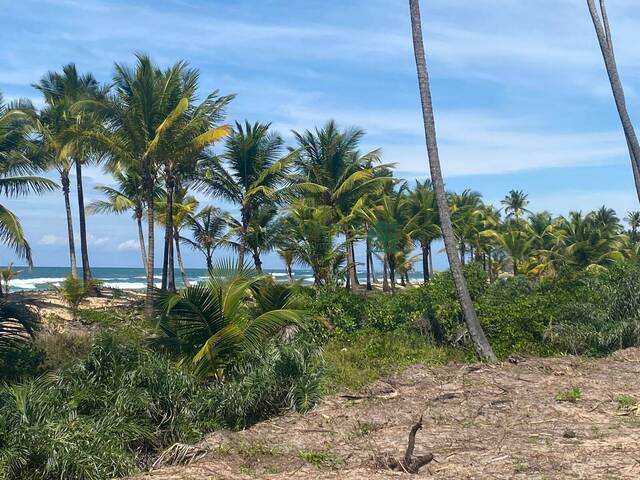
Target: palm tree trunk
column 355, row 268
column 392, row 273
column 369, row 286
column 171, row 282
column 289, row 273
column 243, row 236
column 165, row 263
column 257, row 262
column 209, row 256
column 372, row 266
column 603, row 33
column 430, row 261
column 143, row 250
column 481, row 344
column 183, row 272
column 385, row 274
column 149, row 190
column 425, row 262
column 352, row 281
column 64, row 179
column 84, row 250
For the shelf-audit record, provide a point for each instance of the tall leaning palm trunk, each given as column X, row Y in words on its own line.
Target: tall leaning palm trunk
column 143, row 250
column 84, row 249
column 66, row 189
column 149, row 191
column 603, row 32
column 480, row 342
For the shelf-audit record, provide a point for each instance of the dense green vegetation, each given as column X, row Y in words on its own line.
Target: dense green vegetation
column 83, row 405
column 104, row 401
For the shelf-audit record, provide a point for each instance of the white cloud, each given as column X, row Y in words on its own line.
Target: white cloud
column 97, row 241
column 50, row 240
column 129, row 245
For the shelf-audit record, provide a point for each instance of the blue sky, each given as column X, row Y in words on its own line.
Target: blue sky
column 520, row 92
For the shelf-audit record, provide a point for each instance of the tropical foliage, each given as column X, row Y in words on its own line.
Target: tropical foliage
column 209, row 325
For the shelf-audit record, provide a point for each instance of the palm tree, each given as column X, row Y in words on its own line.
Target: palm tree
column 126, row 197
column 194, row 129
column 286, row 252
column 208, row 229
column 330, row 159
column 16, row 172
column 584, row 242
column 210, row 325
column 311, row 234
column 633, row 219
column 480, row 342
column 603, row 33
column 61, row 124
column 515, row 204
column 150, row 125
column 183, row 206
column 262, row 234
column 252, row 172
column 424, row 211
column 6, row 275
column 391, row 230
column 514, row 242
column 467, row 212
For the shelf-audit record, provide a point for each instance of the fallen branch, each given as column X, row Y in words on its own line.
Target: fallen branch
column 409, row 463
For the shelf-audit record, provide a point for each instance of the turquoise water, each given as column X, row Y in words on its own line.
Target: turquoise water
column 43, row 278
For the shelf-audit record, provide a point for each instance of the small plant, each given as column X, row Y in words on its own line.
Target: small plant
column 629, row 404
column 6, row 275
column 572, row 395
column 320, row 458
column 74, row 291
column 626, row 401
column 362, row 429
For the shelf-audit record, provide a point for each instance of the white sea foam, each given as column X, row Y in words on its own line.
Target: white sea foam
column 128, row 285
column 33, row 283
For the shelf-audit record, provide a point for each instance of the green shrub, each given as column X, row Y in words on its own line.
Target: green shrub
column 389, row 312
column 516, row 313
column 74, row 291
column 604, row 315
column 281, row 376
column 572, row 395
column 109, row 414
column 440, row 298
column 62, row 349
column 337, row 312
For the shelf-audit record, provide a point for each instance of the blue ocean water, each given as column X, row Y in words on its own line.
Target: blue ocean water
column 43, row 278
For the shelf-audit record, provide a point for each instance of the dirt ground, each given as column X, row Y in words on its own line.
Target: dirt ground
column 501, row 421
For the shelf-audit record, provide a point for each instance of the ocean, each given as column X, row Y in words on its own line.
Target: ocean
column 43, row 278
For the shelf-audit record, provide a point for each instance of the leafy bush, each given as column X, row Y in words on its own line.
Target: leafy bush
column 62, row 349
column 210, row 325
column 516, row 313
column 338, row 311
column 386, row 313
column 109, row 414
column 281, row 376
column 605, row 314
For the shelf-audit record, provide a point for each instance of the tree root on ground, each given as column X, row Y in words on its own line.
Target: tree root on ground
column 409, row 463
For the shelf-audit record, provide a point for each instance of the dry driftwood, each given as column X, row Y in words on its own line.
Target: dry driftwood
column 409, row 463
